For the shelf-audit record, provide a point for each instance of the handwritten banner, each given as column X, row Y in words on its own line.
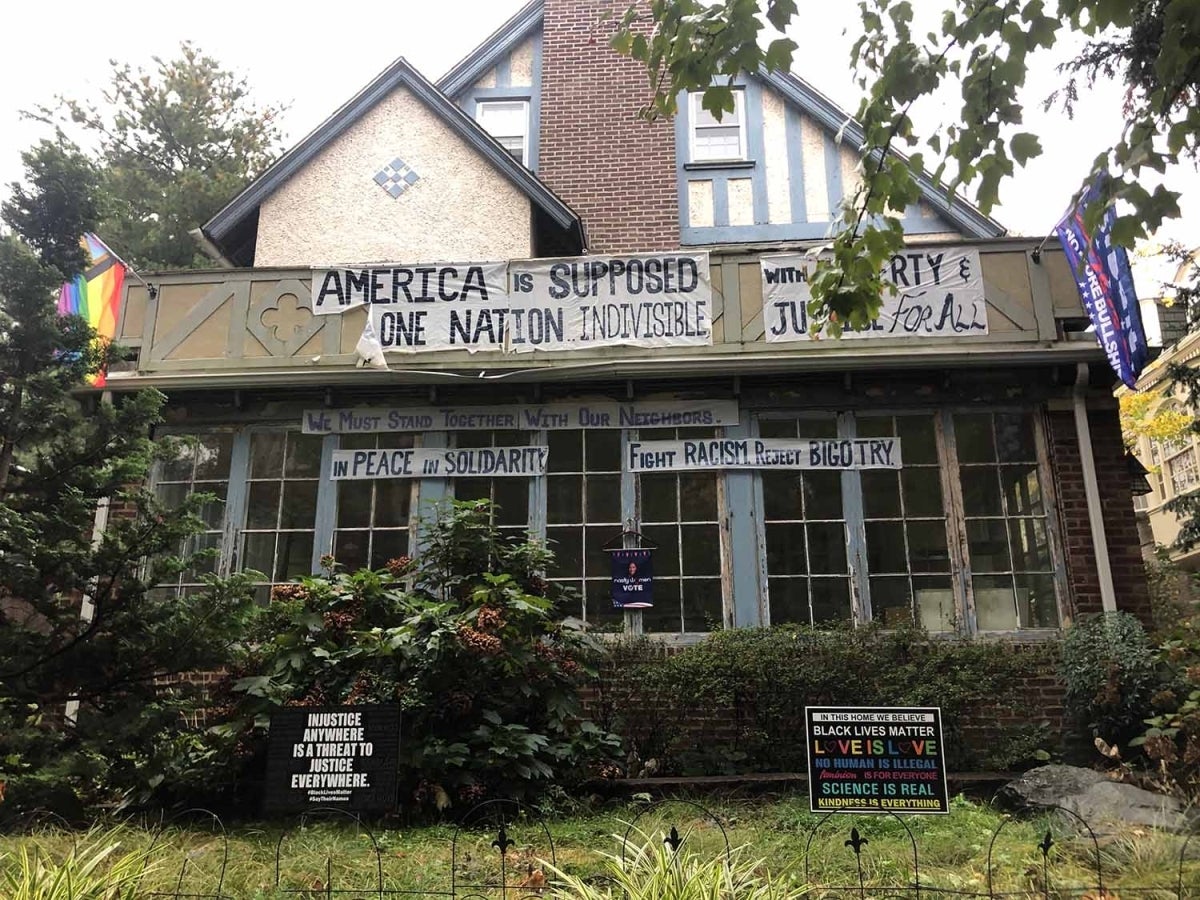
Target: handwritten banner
column 599, row 413
column 939, row 294
column 416, row 287
column 654, row 300
column 493, row 462
column 762, row 453
column 875, row 760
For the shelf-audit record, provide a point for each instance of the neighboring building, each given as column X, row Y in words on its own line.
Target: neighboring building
column 1011, row 510
column 1174, row 465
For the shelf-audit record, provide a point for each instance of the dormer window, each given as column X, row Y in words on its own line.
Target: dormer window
column 714, row 141
column 508, row 122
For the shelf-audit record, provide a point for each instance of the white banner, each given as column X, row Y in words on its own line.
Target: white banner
column 439, row 463
column 523, row 417
column 939, row 294
column 658, row 300
column 419, row 287
column 654, row 300
column 763, row 453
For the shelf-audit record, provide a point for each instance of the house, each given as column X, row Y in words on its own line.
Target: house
column 599, row 323
column 1171, row 457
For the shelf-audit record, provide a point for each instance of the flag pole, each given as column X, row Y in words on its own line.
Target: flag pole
column 150, row 289
column 1037, row 251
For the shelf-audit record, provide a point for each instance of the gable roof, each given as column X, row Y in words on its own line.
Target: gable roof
column 483, row 58
column 828, row 114
column 224, row 228
column 958, row 212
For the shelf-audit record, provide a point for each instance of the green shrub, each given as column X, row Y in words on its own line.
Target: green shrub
column 765, row 677
column 1110, row 674
column 466, row 640
column 1170, row 739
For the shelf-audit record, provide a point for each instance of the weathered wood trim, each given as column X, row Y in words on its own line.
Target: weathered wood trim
column 856, row 530
column 741, row 521
column 1003, row 303
column 217, row 296
column 236, row 498
column 538, row 493
column 239, row 320
column 327, row 497
column 431, row 492
column 1058, row 554
column 760, row 539
column 150, row 317
column 1043, row 302
column 956, row 523
column 265, row 334
column 631, row 520
column 731, row 297
column 725, row 544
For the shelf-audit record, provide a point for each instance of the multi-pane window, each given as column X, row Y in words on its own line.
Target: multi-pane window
column 717, row 141
column 583, row 514
column 373, row 514
column 508, row 122
column 1004, row 505
column 905, row 527
column 509, row 494
column 281, row 505
column 1183, row 471
column 906, row 569
column 201, row 466
column 679, row 515
column 805, row 526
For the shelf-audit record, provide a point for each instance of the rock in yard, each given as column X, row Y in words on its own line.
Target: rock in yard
column 1094, row 798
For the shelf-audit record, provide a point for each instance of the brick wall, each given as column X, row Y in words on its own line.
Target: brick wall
column 1120, row 523
column 616, row 170
column 660, row 731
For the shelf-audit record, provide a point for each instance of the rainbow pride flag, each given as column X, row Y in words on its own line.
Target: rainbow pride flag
column 95, row 295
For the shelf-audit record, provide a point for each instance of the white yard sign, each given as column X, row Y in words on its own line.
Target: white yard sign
column 939, row 293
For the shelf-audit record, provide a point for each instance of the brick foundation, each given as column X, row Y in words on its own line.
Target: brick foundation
column 660, row 728
column 616, row 170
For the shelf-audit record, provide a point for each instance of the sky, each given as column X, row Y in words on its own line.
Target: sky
column 313, row 64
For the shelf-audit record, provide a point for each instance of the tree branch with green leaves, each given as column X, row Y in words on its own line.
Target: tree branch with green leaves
column 981, row 52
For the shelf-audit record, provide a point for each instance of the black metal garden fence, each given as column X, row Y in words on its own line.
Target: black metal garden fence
column 499, row 847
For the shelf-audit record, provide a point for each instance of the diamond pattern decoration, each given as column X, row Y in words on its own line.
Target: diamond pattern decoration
column 396, row 177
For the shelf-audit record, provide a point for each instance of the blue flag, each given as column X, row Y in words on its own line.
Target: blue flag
column 1105, row 285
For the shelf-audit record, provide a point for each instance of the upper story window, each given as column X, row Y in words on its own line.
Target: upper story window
column 1183, row 471
column 508, row 122
column 714, row 141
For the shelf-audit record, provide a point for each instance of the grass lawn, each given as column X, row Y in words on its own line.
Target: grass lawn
column 952, row 850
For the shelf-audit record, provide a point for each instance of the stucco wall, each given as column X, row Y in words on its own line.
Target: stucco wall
column 812, row 153
column 520, row 65
column 741, row 201
column 775, row 152
column 332, row 211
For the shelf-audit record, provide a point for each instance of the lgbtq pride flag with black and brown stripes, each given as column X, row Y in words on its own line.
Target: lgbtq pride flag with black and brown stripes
column 95, row 295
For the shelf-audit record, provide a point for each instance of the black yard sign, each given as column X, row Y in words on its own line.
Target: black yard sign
column 875, row 760
column 342, row 756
